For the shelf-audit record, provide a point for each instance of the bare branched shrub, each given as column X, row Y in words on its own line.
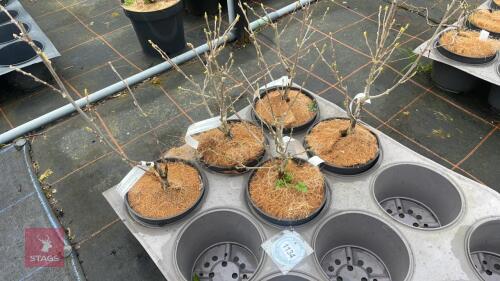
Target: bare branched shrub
column 381, row 50
column 160, row 174
column 289, row 65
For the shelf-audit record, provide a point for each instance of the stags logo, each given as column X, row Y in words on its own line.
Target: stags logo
column 43, row 247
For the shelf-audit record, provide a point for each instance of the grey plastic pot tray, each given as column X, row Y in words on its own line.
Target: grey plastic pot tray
column 34, row 31
column 487, row 71
column 413, row 253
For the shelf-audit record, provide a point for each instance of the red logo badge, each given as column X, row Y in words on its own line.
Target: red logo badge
column 44, row 247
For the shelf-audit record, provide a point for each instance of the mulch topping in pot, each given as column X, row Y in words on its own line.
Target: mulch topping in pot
column 467, row 43
column 140, row 6
column 245, row 145
column 357, row 148
column 298, row 110
column 486, row 19
column 284, row 201
column 149, row 199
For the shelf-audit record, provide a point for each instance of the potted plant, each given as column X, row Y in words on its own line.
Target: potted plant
column 346, row 146
column 466, row 46
column 154, row 203
column 200, row 7
column 297, row 104
column 159, row 21
column 228, row 145
column 286, row 190
column 484, row 19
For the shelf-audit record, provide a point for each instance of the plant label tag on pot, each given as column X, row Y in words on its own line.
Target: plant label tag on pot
column 130, row 179
column 283, row 81
column 200, row 127
column 287, row 249
column 315, row 160
column 484, row 35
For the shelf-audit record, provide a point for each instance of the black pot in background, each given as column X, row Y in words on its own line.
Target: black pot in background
column 200, row 7
column 164, row 28
column 476, row 28
column 451, row 79
column 282, row 222
column 456, row 57
column 155, row 222
column 353, row 170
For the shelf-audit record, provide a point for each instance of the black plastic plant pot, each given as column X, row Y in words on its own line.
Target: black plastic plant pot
column 452, row 79
column 7, row 32
column 472, row 26
column 165, row 28
column 290, row 276
column 219, row 245
column 155, row 222
column 349, row 171
column 200, row 7
column 417, row 196
column 296, row 129
column 235, row 170
column 463, row 59
column 281, row 222
column 357, row 246
column 5, row 18
column 483, row 248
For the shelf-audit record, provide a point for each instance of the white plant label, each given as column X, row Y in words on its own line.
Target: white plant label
column 200, row 127
column 315, row 160
column 295, row 147
column 484, row 35
column 283, row 81
column 131, row 178
column 287, row 249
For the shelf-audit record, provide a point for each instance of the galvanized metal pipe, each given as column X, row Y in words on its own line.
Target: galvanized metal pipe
column 141, row 76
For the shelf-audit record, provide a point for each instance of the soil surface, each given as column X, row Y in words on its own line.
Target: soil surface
column 148, row 198
column 244, row 146
column 497, row 2
column 140, row 6
column 297, row 111
column 355, row 149
column 487, row 20
column 467, row 43
column 287, row 203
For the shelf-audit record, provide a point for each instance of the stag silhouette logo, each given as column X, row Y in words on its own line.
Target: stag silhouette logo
column 46, row 243
column 43, row 247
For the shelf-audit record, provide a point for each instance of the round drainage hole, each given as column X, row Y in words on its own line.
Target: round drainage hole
column 225, row 261
column 410, row 212
column 353, row 263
